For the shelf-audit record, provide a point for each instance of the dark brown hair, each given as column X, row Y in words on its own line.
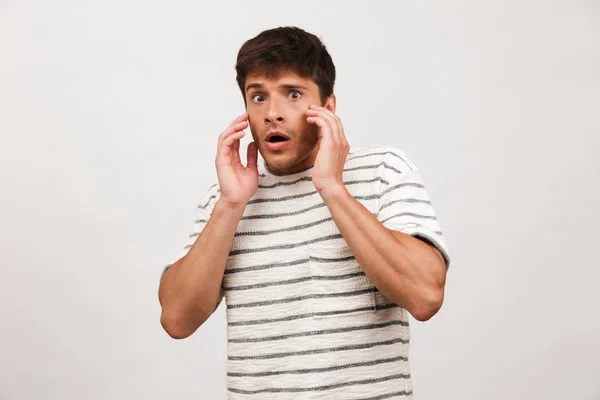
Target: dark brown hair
column 286, row 49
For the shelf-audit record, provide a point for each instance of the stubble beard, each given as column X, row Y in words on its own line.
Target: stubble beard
column 306, row 147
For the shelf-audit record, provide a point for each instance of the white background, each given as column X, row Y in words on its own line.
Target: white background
column 109, row 116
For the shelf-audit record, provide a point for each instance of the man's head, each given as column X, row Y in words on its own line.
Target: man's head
column 281, row 73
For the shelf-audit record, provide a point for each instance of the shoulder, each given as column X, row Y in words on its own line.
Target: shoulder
column 213, row 190
column 385, row 156
column 209, row 197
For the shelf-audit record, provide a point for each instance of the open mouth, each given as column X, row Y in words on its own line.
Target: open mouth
column 277, row 139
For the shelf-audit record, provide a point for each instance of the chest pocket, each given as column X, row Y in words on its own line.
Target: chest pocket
column 339, row 286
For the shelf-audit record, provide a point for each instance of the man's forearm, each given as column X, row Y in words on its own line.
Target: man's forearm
column 405, row 269
column 190, row 288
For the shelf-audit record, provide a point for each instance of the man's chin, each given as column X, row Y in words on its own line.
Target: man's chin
column 287, row 166
column 280, row 163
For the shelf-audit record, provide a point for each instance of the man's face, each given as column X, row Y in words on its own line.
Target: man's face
column 277, row 117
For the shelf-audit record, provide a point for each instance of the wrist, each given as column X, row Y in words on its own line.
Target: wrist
column 233, row 208
column 333, row 192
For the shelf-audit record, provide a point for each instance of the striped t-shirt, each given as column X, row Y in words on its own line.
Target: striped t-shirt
column 303, row 320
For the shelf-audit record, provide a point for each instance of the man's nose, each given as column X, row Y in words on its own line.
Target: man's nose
column 274, row 113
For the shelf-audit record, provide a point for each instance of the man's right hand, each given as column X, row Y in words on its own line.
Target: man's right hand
column 237, row 183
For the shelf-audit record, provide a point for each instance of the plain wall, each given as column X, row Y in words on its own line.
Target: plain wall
column 109, row 116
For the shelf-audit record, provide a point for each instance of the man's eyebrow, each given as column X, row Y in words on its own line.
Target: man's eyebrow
column 293, row 86
column 284, row 86
column 254, row 86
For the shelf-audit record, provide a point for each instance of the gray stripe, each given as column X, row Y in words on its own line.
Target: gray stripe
column 289, row 229
column 211, row 197
column 324, row 369
column 415, row 184
column 309, row 179
column 198, row 221
column 382, row 154
column 288, row 214
column 214, row 196
column 277, row 199
column 266, row 266
column 378, row 179
column 374, row 154
column 319, row 351
column 321, row 332
column 432, row 217
column 310, row 315
column 369, row 197
column 284, row 246
column 300, row 298
column 404, row 201
column 373, row 166
column 388, row 395
column 305, row 178
column 298, row 196
column 265, row 216
column 298, row 280
column 285, row 264
column 328, row 260
column 322, row 388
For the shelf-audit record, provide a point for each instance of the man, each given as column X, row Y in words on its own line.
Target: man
column 321, row 250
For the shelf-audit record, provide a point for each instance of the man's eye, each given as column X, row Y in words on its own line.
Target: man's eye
column 295, row 95
column 257, row 98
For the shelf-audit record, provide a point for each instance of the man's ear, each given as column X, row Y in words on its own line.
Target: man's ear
column 330, row 103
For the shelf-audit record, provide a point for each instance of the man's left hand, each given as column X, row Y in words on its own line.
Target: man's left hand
column 333, row 149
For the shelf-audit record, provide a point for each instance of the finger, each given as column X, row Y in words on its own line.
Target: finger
column 233, row 128
column 333, row 120
column 235, row 137
column 241, row 118
column 340, row 127
column 325, row 124
column 238, row 126
column 252, row 157
column 235, row 148
column 226, row 146
column 327, row 117
column 326, row 135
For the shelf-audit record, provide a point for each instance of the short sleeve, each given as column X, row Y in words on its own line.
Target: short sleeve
column 203, row 213
column 404, row 204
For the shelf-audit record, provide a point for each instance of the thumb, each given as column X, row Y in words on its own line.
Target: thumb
column 252, row 156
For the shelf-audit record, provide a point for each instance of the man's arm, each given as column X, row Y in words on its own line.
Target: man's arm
column 190, row 289
column 405, row 269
